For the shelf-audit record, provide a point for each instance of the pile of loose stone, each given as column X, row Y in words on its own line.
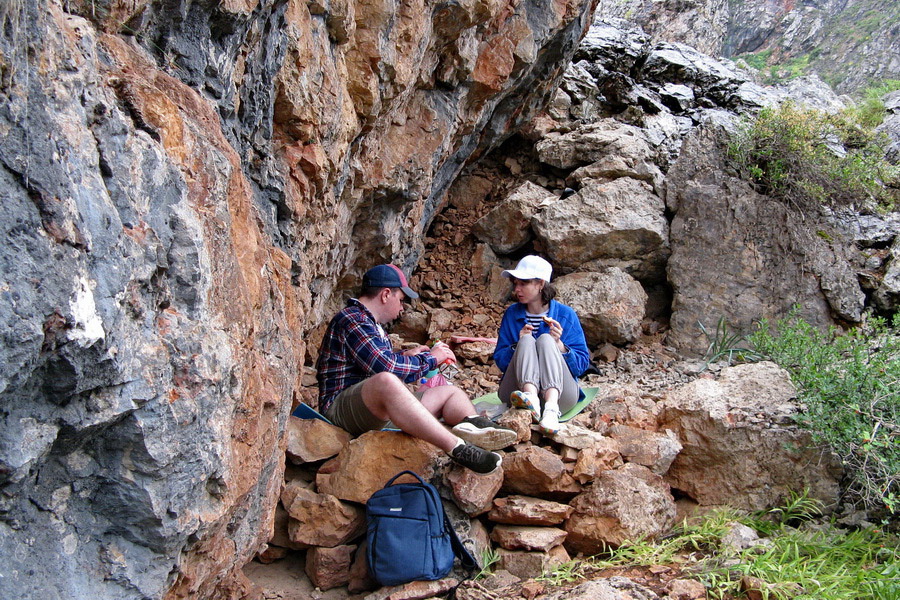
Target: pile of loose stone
column 610, row 475
column 571, row 492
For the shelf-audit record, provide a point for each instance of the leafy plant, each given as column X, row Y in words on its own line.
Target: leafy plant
column 566, row 572
column 850, row 387
column 822, row 563
column 870, row 111
column 798, row 507
column 724, row 344
column 815, row 561
column 489, row 557
column 806, row 158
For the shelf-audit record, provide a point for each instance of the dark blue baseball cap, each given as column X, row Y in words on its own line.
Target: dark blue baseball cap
column 387, row 276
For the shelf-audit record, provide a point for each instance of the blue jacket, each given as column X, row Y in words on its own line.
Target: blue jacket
column 577, row 356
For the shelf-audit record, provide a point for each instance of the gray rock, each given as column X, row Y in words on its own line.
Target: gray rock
column 620, row 223
column 612, row 588
column 887, row 295
column 507, row 227
column 740, row 444
column 610, row 304
column 728, row 259
column 607, row 515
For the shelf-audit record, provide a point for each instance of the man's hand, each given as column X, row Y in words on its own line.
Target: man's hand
column 442, row 353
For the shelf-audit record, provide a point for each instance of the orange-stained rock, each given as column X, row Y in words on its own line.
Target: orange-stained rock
column 519, row 421
column 525, row 510
column 329, row 567
column 528, row 565
column 654, row 450
column 310, row 440
column 415, row 590
column 596, row 459
column 575, row 436
column 533, row 471
column 526, row 537
column 687, row 589
column 321, row 519
column 369, row 461
column 568, row 454
column 204, row 207
column 742, row 446
column 271, row 554
column 280, row 535
column 473, row 492
column 628, row 503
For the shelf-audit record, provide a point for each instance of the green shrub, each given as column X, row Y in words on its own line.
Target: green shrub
column 807, row 158
column 850, row 386
column 757, row 60
column 869, row 111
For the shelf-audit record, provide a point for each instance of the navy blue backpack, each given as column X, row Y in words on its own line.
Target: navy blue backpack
column 409, row 536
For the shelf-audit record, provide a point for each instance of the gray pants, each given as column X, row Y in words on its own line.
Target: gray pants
column 540, row 363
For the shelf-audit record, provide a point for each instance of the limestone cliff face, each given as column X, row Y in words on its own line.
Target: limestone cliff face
column 186, row 187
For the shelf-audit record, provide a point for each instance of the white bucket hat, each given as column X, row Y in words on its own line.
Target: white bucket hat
column 531, row 267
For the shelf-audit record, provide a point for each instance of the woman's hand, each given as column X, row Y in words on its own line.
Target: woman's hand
column 526, row 330
column 556, row 331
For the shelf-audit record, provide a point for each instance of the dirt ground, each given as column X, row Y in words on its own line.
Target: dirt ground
column 285, row 579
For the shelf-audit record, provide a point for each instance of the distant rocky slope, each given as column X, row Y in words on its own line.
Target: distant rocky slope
column 850, row 44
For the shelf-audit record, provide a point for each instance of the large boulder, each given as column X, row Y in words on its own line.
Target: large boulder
column 618, row 222
column 189, row 189
column 741, row 256
column 384, row 454
column 740, row 446
column 592, row 142
column 507, row 227
column 320, row 519
column 626, row 504
column 610, row 304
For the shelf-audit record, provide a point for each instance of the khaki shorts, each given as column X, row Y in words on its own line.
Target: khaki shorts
column 349, row 412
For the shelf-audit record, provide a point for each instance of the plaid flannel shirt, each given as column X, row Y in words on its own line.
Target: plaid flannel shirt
column 355, row 348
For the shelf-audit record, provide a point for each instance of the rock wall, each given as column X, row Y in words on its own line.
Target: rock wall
column 188, row 189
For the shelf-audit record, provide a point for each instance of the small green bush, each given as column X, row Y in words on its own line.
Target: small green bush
column 869, row 111
column 850, row 386
column 807, row 158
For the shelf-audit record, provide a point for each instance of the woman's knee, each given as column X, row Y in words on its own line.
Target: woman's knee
column 546, row 341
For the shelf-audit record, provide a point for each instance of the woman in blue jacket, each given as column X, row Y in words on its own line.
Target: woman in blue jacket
column 541, row 348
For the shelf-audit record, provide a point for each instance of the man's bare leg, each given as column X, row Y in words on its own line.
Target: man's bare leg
column 389, row 399
column 449, row 403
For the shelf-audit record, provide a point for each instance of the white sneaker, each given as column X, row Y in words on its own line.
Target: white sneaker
column 526, row 400
column 550, row 421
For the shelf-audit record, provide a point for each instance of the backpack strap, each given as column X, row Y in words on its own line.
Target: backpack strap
column 465, row 557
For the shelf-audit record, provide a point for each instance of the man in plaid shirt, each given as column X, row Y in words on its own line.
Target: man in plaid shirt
column 362, row 380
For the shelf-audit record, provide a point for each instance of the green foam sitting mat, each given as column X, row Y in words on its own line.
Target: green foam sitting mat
column 491, row 405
